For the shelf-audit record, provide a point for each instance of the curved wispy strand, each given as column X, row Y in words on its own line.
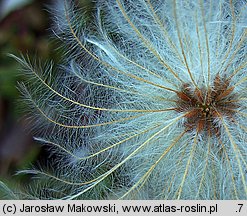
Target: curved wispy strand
column 150, row 102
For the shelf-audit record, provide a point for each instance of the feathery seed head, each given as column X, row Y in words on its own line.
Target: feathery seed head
column 150, row 103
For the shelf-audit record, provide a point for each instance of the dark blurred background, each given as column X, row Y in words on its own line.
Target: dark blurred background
column 24, row 28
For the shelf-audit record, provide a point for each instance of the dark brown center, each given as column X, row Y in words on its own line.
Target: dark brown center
column 203, row 107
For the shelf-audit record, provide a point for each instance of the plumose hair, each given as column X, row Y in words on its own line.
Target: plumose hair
column 149, row 102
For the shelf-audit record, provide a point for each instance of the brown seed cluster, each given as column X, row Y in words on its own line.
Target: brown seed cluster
column 205, row 106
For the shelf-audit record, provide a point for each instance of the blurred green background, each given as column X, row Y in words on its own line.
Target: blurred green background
column 24, row 28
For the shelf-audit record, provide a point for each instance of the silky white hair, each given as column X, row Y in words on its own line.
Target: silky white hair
column 108, row 112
